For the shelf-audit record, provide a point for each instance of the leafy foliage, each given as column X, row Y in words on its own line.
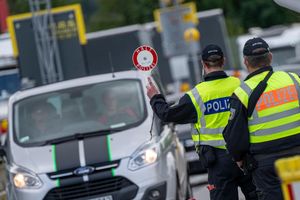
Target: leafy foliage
column 240, row 14
column 114, row 13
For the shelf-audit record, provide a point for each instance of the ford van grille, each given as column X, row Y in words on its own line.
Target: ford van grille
column 118, row 187
column 69, row 173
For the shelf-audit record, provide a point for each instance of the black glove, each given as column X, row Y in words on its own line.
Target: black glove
column 249, row 164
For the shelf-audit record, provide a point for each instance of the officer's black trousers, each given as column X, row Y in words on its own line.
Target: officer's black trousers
column 266, row 180
column 224, row 177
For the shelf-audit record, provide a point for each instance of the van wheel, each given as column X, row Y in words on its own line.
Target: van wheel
column 177, row 188
column 189, row 191
column 177, row 192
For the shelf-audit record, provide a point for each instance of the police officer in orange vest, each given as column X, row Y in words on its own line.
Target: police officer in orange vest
column 265, row 119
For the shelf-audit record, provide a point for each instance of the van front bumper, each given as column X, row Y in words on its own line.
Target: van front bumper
column 156, row 179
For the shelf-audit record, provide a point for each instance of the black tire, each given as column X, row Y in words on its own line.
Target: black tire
column 189, row 190
column 177, row 188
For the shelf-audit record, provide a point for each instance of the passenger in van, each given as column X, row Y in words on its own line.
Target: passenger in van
column 44, row 119
column 115, row 112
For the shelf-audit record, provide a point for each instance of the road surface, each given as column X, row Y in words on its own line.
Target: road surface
column 200, row 192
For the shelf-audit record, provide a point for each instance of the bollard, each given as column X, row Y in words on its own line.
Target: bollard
column 288, row 170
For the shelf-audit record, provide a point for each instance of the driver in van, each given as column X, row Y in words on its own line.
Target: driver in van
column 114, row 112
column 44, row 118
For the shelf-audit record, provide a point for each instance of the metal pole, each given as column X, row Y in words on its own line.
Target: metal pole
column 46, row 41
column 197, row 68
column 55, row 48
column 36, row 26
column 197, row 71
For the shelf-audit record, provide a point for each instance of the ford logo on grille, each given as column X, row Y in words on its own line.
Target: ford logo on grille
column 84, row 170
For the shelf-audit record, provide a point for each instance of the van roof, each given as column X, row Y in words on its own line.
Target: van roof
column 133, row 74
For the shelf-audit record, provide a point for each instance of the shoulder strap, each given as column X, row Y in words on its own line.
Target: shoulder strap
column 257, row 92
column 296, row 83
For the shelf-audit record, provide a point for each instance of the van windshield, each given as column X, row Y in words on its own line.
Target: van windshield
column 103, row 106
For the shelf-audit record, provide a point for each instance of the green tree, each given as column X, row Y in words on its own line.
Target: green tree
column 243, row 14
column 264, row 14
column 18, row 6
column 112, row 13
column 240, row 14
column 22, row 6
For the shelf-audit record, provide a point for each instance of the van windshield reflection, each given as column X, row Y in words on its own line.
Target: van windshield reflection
column 102, row 106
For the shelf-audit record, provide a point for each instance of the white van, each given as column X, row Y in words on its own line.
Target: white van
column 89, row 139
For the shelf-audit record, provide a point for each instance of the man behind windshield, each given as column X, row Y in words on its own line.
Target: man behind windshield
column 114, row 112
column 43, row 118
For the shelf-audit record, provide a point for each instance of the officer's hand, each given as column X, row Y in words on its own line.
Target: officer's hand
column 240, row 164
column 151, row 89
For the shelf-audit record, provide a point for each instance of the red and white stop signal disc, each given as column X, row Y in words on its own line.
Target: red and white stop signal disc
column 145, row 58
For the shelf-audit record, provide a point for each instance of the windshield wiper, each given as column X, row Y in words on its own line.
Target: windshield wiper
column 80, row 136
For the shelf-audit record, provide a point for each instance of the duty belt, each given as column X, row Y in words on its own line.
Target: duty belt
column 286, row 152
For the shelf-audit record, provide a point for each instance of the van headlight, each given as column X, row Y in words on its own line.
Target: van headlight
column 24, row 179
column 144, row 157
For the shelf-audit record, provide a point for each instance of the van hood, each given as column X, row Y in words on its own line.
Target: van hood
column 87, row 152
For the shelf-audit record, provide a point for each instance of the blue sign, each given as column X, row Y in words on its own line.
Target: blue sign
column 217, row 106
column 10, row 81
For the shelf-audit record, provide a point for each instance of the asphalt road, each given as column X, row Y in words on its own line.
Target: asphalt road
column 2, row 182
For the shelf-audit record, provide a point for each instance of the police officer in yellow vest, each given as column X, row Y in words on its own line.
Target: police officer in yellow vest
column 207, row 107
column 265, row 119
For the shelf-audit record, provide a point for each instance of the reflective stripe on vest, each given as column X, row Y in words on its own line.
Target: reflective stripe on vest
column 198, row 133
column 283, row 119
column 199, row 106
column 210, row 109
column 208, row 131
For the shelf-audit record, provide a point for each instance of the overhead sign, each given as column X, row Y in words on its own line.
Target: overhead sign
column 173, row 23
column 187, row 13
column 69, row 31
column 145, row 58
column 67, row 26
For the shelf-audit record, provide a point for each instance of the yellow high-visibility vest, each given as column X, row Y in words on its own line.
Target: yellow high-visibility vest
column 211, row 101
column 277, row 112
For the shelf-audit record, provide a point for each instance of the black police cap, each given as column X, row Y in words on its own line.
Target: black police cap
column 211, row 50
column 256, row 46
